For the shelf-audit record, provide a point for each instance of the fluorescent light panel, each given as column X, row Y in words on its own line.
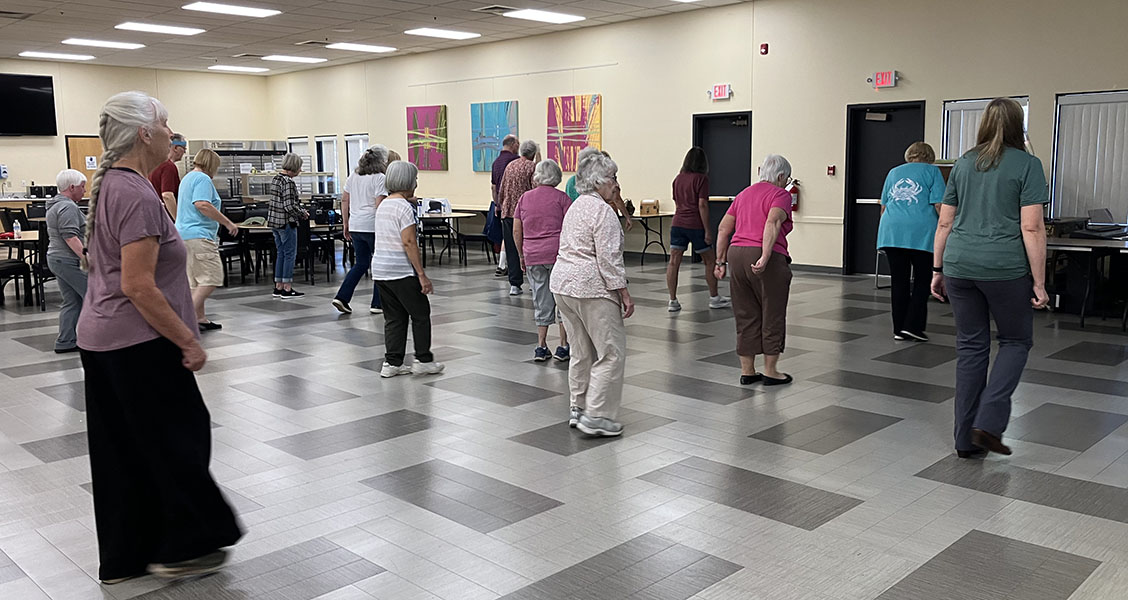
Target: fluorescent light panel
column 235, row 69
column 443, row 33
column 543, row 16
column 229, row 9
column 360, row 47
column 686, row 1
column 294, row 59
column 103, row 44
column 150, row 28
column 56, row 55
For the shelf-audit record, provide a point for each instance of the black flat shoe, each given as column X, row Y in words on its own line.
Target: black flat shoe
column 209, row 326
column 772, row 381
column 750, row 379
column 978, row 454
column 66, row 350
column 989, row 442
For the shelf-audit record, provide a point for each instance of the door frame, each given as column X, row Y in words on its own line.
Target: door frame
column 847, row 207
column 697, row 117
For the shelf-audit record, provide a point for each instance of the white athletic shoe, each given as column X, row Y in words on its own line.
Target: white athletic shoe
column 514, row 290
column 719, row 302
column 673, row 306
column 391, row 371
column 427, row 368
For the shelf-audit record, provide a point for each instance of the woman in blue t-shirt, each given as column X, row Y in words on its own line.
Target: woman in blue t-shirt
column 910, row 202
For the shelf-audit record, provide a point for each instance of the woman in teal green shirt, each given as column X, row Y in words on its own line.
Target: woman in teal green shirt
column 992, row 240
column 910, row 201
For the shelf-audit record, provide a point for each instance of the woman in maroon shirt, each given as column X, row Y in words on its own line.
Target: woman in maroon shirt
column 691, row 225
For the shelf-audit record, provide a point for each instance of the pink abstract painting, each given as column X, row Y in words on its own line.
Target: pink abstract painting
column 427, row 137
column 574, row 122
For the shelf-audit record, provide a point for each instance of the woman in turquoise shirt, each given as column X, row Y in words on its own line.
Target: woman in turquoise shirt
column 910, row 202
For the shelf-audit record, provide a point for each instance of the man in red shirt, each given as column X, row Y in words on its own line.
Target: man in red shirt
column 166, row 178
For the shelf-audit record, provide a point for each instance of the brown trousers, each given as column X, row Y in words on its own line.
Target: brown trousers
column 759, row 302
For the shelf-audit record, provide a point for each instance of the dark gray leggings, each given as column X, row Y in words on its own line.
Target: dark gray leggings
column 983, row 403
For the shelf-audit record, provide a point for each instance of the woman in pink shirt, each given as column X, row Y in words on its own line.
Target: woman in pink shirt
column 758, row 223
column 536, row 233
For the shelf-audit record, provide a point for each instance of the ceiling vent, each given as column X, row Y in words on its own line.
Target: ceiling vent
column 494, row 9
column 314, row 43
column 15, row 16
column 247, row 55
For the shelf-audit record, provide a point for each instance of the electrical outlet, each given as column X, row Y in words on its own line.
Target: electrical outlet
column 3, row 171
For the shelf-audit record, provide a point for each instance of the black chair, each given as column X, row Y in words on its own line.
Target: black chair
column 37, row 210
column 17, row 215
column 306, row 251
column 40, row 272
column 230, row 249
column 475, row 238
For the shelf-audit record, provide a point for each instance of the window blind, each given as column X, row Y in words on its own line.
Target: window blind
column 961, row 124
column 1091, row 154
column 355, row 145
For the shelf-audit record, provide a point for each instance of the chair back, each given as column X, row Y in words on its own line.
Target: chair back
column 18, row 215
column 256, row 210
column 41, row 248
column 37, row 210
column 6, row 219
column 303, row 235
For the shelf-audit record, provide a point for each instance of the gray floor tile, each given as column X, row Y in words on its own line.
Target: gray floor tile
column 663, row 334
column 1037, row 487
column 849, row 313
column 442, row 354
column 216, row 339
column 58, row 448
column 72, row 394
column 777, row 499
column 460, row 289
column 494, row 389
column 889, row 386
column 875, row 298
column 816, row 333
column 525, row 300
column 983, row 565
column 251, row 360
column 294, row 392
column 9, row 571
column 683, row 288
column 802, row 288
column 1083, row 383
column 464, row 496
column 565, row 441
column 927, row 356
column 277, row 306
column 648, row 567
column 708, row 315
column 43, row 342
column 826, row 430
column 357, row 337
column 28, row 324
column 460, row 315
column 54, row 366
column 239, row 503
column 730, row 358
column 1066, row 427
column 1094, row 353
column 347, row 436
column 691, row 387
column 328, row 317
column 504, row 334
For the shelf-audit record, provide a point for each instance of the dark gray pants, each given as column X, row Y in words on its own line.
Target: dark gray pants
column 404, row 302
column 512, row 254
column 72, row 285
column 982, row 402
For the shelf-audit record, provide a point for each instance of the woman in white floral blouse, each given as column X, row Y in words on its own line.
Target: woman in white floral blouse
column 590, row 285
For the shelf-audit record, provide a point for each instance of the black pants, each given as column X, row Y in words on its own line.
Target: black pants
column 150, row 444
column 403, row 300
column 912, row 282
column 512, row 255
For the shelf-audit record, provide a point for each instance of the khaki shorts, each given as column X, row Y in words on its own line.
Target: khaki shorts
column 205, row 268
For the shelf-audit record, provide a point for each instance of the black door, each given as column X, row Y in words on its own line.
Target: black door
column 877, row 136
column 726, row 139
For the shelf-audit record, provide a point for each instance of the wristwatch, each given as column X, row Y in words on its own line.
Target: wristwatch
column 939, row 269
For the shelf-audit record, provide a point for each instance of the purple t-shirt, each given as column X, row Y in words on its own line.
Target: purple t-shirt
column 751, row 207
column 541, row 211
column 128, row 210
column 503, row 159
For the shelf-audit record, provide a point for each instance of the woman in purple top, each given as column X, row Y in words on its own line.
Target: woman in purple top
column 536, row 232
column 156, row 507
column 758, row 223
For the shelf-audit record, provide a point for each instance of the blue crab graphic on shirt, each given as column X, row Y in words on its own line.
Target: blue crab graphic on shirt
column 905, row 190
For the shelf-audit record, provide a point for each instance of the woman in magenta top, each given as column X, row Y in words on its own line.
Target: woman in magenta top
column 759, row 218
column 536, row 233
column 156, row 507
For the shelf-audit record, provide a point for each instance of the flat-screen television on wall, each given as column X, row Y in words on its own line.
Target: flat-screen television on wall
column 27, row 105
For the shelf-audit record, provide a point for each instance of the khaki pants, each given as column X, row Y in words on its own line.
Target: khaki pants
column 759, row 302
column 598, row 344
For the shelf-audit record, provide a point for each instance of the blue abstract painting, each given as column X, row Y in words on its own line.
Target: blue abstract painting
column 490, row 122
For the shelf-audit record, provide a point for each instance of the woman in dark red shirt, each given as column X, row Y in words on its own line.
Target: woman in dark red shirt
column 691, row 225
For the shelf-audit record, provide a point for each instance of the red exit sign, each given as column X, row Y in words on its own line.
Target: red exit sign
column 721, row 91
column 884, row 79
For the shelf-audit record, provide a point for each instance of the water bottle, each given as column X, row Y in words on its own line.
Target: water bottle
column 16, row 229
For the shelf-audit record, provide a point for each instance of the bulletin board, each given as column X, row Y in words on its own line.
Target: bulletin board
column 80, row 150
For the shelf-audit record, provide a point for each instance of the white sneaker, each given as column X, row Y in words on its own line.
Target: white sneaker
column 719, row 302
column 673, row 306
column 514, row 290
column 599, row 426
column 376, row 311
column 428, row 368
column 574, row 414
column 391, row 371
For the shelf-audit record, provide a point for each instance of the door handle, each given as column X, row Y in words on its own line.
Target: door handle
column 867, row 201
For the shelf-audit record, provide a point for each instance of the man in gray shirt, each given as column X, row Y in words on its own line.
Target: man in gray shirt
column 65, row 227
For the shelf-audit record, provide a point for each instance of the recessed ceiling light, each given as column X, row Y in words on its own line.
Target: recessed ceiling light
column 56, row 55
column 543, row 16
column 103, row 44
column 150, row 28
column 359, row 47
column 443, row 33
column 686, row 1
column 236, row 69
column 294, row 59
column 228, row 9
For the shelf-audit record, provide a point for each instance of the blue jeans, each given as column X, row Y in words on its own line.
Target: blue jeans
column 363, row 242
column 286, row 242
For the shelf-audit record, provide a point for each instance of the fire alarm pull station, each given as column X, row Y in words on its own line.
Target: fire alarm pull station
column 830, row 169
column 764, row 49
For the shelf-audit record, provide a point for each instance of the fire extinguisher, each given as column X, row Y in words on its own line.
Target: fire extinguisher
column 793, row 189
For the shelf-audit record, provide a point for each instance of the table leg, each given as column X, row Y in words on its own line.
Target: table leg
column 1090, row 267
column 660, row 241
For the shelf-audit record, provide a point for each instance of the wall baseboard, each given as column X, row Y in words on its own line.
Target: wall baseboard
column 816, row 269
